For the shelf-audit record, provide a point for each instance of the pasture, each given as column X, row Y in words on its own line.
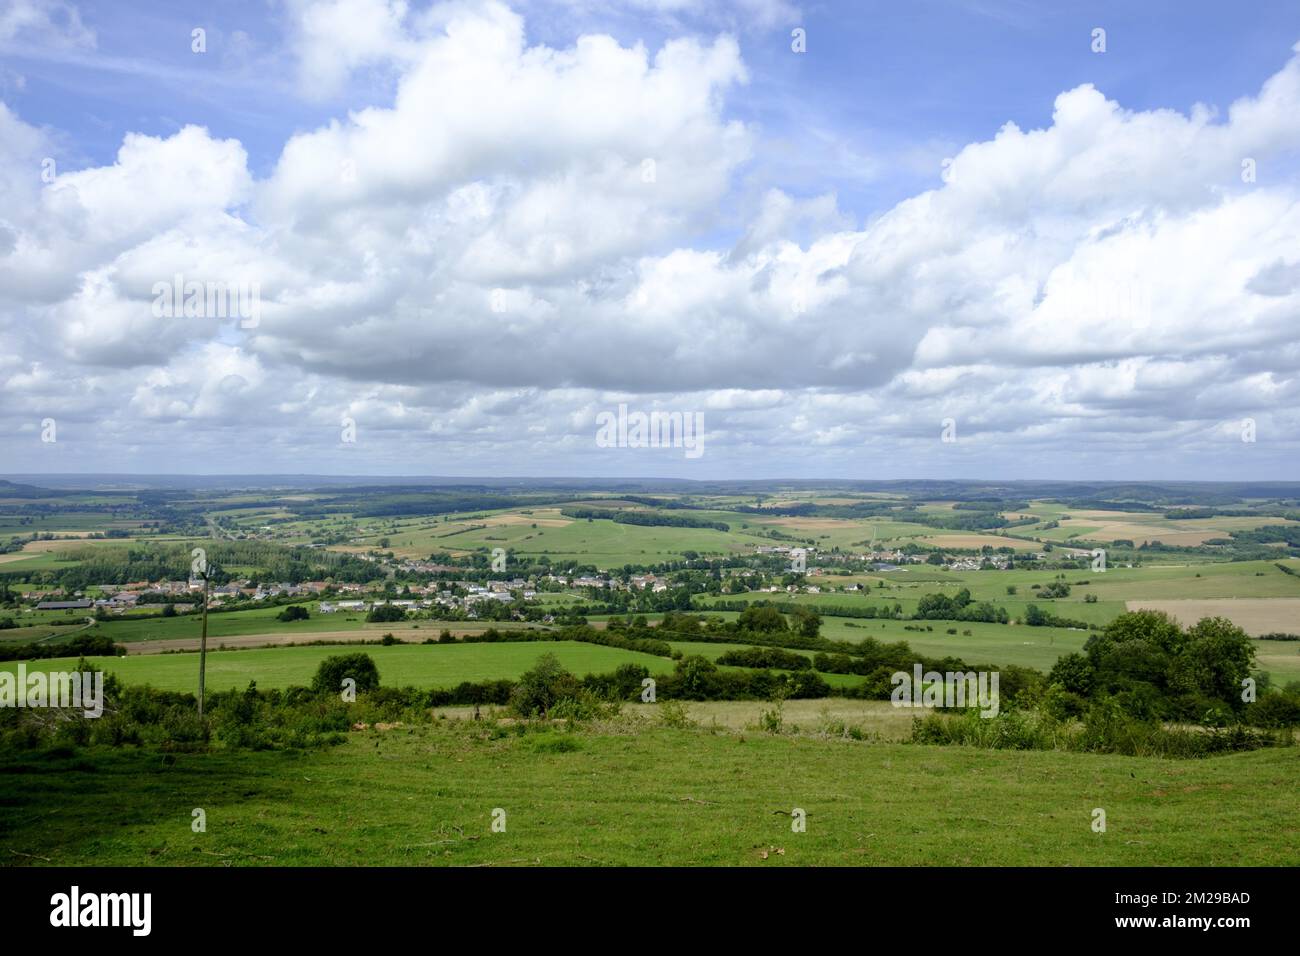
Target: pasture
column 416, row 665
column 632, row 793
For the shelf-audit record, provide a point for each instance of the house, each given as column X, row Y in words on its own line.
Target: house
column 63, row 606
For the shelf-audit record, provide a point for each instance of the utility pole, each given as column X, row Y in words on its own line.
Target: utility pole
column 203, row 641
column 200, row 565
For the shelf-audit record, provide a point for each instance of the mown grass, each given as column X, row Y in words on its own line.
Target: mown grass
column 648, row 796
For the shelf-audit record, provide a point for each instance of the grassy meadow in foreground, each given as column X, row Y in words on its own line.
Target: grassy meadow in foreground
column 645, row 796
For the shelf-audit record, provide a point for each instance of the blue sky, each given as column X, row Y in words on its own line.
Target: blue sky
column 1099, row 288
column 884, row 79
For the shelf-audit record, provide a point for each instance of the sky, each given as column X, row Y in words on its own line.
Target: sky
column 959, row 239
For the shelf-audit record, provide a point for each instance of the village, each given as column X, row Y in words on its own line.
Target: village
column 181, row 597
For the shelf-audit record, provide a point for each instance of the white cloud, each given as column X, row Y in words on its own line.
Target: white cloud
column 479, row 266
column 333, row 38
column 52, row 22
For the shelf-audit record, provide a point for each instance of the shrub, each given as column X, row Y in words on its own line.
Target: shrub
column 673, row 713
column 584, row 705
column 333, row 670
column 1277, row 709
column 83, row 645
column 772, row 721
column 767, row 657
column 542, row 687
column 765, row 620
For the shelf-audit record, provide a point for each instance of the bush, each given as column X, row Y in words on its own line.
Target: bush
column 584, row 705
column 673, row 713
column 1277, row 709
column 765, row 620
column 542, row 688
column 769, row 657
column 386, row 614
column 333, row 670
column 83, row 645
column 623, row 684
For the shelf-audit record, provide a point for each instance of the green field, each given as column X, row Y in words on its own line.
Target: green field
column 419, row 665
column 633, row 789
column 644, row 796
column 713, row 651
column 260, row 620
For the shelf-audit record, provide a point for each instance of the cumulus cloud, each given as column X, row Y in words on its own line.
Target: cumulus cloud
column 52, row 22
column 333, row 38
column 520, row 236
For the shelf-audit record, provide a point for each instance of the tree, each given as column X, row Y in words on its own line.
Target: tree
column 1216, row 658
column 386, row 614
column 764, row 619
column 697, row 676
column 1073, row 673
column 334, row 670
column 542, row 687
column 807, row 621
column 1152, row 626
column 294, row 612
column 1155, row 668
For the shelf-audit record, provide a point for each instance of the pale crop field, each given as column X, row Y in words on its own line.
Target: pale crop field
column 1255, row 616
